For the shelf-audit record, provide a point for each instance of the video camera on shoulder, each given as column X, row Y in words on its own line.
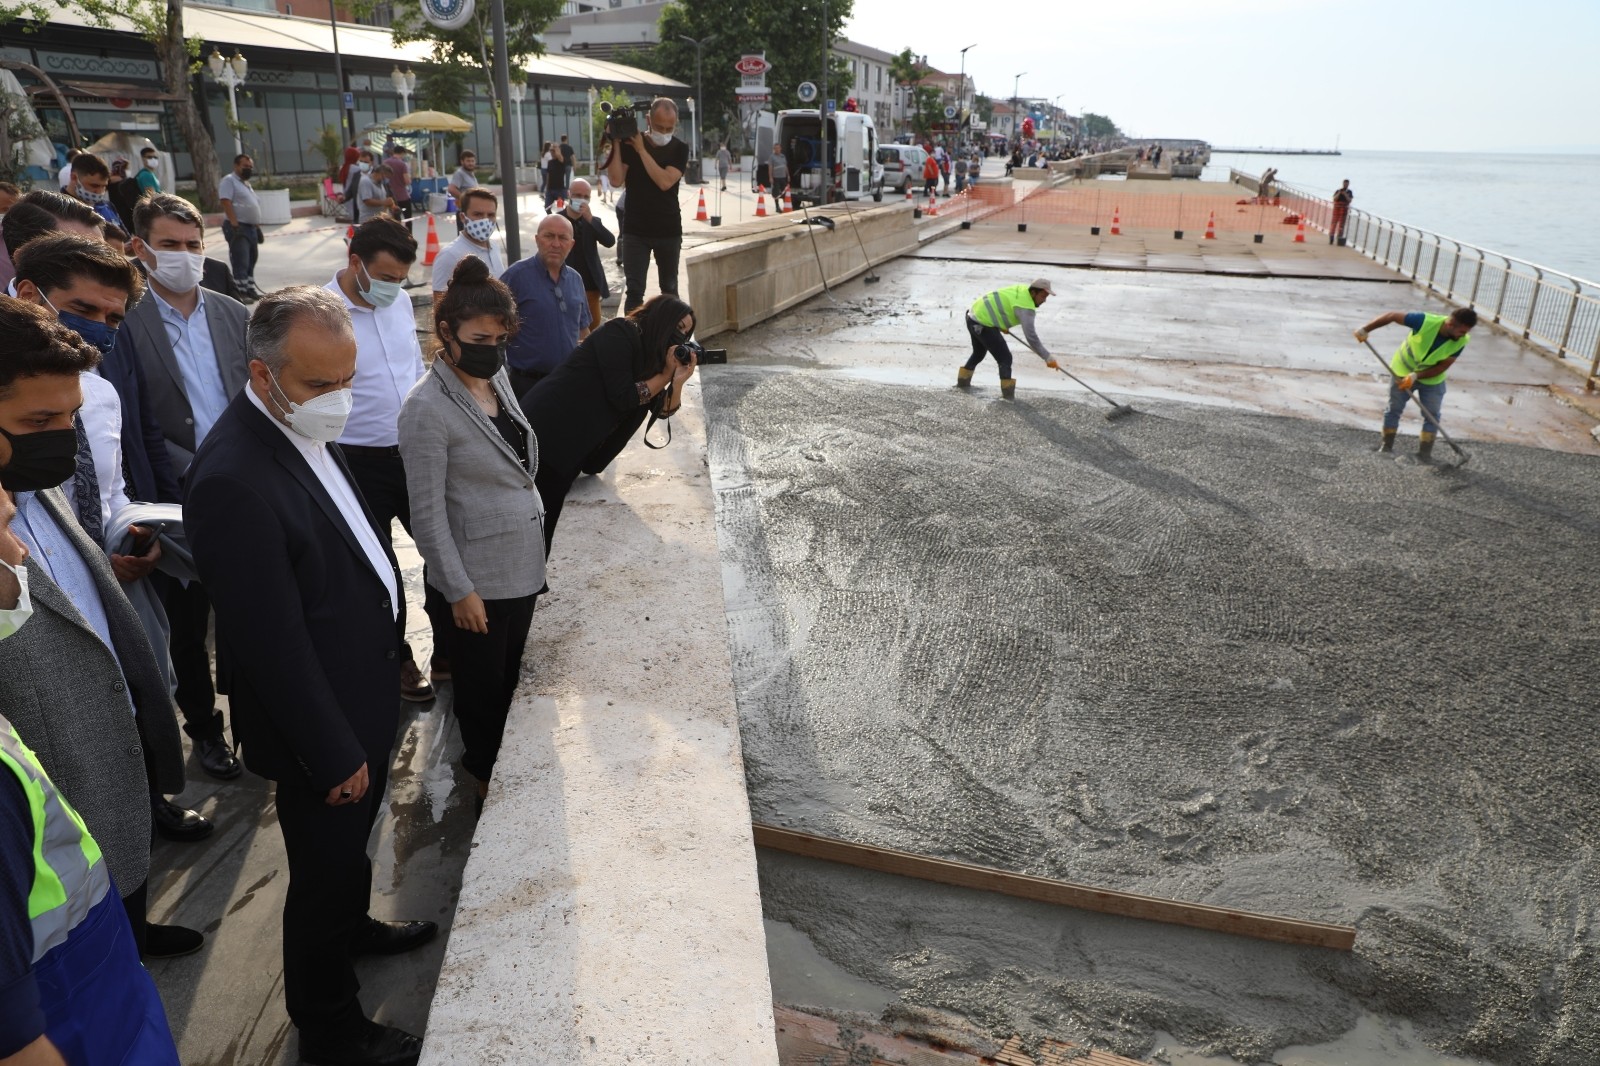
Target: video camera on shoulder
column 622, row 123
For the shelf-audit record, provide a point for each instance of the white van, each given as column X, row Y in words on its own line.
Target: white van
column 852, row 153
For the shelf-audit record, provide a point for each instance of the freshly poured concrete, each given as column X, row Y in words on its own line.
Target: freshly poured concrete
column 1203, row 652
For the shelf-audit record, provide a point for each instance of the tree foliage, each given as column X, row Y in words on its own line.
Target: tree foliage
column 160, row 23
column 471, row 46
column 1099, row 127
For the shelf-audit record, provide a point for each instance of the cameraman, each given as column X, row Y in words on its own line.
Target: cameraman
column 648, row 167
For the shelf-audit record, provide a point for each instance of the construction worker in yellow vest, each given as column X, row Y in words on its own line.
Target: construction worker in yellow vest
column 1419, row 366
column 993, row 315
column 72, row 989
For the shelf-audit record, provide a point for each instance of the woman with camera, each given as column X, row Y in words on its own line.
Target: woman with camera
column 475, row 514
column 588, row 408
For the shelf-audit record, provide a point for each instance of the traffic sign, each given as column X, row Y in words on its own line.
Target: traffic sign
column 807, row 92
column 830, row 107
column 949, row 110
column 349, row 101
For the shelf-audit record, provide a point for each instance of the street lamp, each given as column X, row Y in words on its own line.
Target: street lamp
column 694, row 125
column 1016, row 123
column 961, row 94
column 518, row 91
column 404, row 82
column 230, row 72
column 1055, row 119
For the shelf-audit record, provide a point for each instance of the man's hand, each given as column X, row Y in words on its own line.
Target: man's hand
column 1405, row 383
column 130, row 568
column 351, row 791
column 584, row 213
column 1361, row 336
column 470, row 614
column 637, row 140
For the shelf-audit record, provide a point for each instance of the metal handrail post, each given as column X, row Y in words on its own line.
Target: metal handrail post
column 1433, row 265
column 1533, row 301
column 1455, row 264
column 1566, row 328
column 1505, row 283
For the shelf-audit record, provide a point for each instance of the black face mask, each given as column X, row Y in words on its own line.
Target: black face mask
column 40, row 460
column 480, row 360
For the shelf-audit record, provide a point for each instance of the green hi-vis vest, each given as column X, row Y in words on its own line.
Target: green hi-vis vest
column 999, row 308
column 1413, row 355
column 69, row 876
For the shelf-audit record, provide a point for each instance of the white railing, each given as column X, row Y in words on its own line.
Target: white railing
column 1557, row 312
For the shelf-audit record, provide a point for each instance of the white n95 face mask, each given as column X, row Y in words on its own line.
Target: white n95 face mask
column 11, row 619
column 320, row 418
column 660, row 139
column 178, row 271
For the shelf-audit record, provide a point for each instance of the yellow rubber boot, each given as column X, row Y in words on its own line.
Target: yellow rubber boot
column 963, row 378
column 1008, row 388
column 1425, row 447
column 1387, row 444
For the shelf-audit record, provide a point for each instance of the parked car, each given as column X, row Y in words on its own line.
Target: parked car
column 901, row 163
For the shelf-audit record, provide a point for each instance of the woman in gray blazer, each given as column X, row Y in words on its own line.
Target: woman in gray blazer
column 475, row 513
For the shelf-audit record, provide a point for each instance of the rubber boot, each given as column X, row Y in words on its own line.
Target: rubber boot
column 1008, row 388
column 1387, row 444
column 963, row 378
column 1425, row 448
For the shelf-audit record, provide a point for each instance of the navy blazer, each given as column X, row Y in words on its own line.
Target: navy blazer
column 150, row 476
column 308, row 643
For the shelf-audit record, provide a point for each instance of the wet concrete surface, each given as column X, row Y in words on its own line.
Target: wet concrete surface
column 1204, row 652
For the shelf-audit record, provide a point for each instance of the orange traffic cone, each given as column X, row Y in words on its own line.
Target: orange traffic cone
column 933, row 205
column 350, row 234
column 788, row 202
column 909, row 198
column 1300, row 231
column 432, row 251
column 1116, row 221
column 1211, row 227
column 761, row 201
column 700, row 214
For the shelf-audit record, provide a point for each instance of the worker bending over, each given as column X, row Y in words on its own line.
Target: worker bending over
column 993, row 315
column 1420, row 364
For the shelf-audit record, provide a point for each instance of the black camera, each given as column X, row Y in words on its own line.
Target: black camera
column 622, row 123
column 705, row 355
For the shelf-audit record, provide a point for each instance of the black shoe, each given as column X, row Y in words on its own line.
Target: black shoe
column 413, row 686
column 376, row 1045
column 175, row 823
column 217, row 758
column 391, row 938
column 171, row 941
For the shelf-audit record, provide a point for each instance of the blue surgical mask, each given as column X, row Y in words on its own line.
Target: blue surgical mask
column 379, row 293
column 98, row 334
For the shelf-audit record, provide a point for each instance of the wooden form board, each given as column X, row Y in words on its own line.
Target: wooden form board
column 1063, row 893
column 807, row 1039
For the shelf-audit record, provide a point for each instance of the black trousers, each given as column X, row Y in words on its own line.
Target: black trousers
column 330, row 889
column 381, row 477
column 485, row 668
column 636, row 266
column 189, row 614
column 523, row 380
column 987, row 340
column 554, row 484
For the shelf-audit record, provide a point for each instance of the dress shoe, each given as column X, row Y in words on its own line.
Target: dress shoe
column 376, row 1045
column 413, row 686
column 217, row 758
column 391, row 938
column 170, row 941
column 439, row 669
column 176, row 823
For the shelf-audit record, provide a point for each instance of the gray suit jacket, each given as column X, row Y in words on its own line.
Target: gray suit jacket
column 68, row 698
column 166, row 393
column 475, row 514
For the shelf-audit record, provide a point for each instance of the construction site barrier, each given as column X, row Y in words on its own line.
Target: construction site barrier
column 1147, row 209
column 1550, row 309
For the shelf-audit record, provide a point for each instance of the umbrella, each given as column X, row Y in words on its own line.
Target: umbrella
column 432, row 122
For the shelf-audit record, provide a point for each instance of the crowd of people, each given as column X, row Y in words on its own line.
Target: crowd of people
column 177, row 464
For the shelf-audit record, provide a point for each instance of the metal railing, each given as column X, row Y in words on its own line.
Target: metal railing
column 1551, row 310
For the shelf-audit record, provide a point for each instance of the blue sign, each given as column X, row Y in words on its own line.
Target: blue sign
column 349, row 101
column 830, row 107
column 807, row 91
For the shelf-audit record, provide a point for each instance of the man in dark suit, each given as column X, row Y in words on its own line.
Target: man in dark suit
column 188, row 346
column 310, row 616
column 79, row 681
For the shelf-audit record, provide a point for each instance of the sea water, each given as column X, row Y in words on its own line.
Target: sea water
column 1541, row 208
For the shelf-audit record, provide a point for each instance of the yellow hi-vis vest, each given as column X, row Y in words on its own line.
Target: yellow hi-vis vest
column 69, row 876
column 999, row 308
column 1414, row 356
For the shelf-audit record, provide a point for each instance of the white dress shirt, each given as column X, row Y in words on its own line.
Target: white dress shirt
column 450, row 256
column 102, row 424
column 388, row 364
column 345, row 498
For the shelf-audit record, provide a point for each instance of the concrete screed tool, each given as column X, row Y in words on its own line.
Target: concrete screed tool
column 1426, row 414
column 1117, row 409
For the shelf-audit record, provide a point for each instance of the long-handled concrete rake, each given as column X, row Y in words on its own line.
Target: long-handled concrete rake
column 1117, row 411
column 1426, row 414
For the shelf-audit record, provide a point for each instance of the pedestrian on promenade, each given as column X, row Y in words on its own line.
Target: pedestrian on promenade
column 91, row 183
column 724, row 163
column 479, row 237
column 551, row 306
column 1419, row 366
column 149, row 181
column 585, row 412
column 930, row 174
column 241, row 227
column 649, row 167
column 589, row 234
column 778, row 167
column 399, row 180
column 465, row 176
column 569, row 156
column 996, row 312
column 310, row 621
column 961, row 172
column 374, row 197
column 1341, row 208
column 470, row 457
column 555, row 177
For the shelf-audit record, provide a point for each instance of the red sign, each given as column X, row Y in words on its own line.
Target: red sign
column 752, row 65
column 1027, row 127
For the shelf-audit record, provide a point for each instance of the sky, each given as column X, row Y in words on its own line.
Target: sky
column 1421, row 75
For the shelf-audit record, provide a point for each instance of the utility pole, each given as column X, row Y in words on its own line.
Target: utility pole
column 1016, row 120
column 699, row 100
column 348, row 114
column 825, row 174
column 961, row 97
column 505, row 150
